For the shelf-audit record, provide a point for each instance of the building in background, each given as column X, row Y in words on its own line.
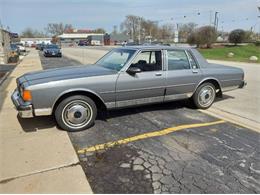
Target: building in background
column 5, row 40
column 115, row 39
column 78, row 36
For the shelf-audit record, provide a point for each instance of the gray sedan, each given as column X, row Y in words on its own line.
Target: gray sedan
column 129, row 76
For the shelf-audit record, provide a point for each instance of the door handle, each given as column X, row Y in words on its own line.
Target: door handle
column 158, row 74
column 195, row 71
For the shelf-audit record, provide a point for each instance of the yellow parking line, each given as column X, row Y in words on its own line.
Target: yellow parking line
column 145, row 136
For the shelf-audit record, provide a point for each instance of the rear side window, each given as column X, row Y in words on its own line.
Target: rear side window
column 177, row 60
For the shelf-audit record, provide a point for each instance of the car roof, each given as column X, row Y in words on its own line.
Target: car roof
column 160, row 47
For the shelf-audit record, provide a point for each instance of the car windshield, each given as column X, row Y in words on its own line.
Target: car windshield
column 52, row 47
column 116, row 59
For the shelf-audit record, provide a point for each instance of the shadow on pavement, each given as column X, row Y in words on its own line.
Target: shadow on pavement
column 36, row 123
column 145, row 108
column 43, row 122
column 224, row 97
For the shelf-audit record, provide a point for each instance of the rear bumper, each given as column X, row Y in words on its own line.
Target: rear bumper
column 24, row 109
column 243, row 84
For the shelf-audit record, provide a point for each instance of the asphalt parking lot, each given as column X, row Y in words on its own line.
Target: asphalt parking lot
column 167, row 148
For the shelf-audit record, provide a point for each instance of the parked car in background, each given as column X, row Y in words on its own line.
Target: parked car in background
column 13, row 55
column 129, row 76
column 38, row 46
column 43, row 46
column 52, row 50
column 83, row 43
column 20, row 47
column 15, row 48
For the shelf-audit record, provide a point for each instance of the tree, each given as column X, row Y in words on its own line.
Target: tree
column 185, row 30
column 131, row 25
column 237, row 36
column 100, row 30
column 58, row 28
column 192, row 39
column 206, row 36
column 166, row 32
column 31, row 33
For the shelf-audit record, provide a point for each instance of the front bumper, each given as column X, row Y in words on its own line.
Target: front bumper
column 243, row 84
column 51, row 54
column 24, row 109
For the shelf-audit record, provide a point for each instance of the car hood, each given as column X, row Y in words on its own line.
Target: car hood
column 71, row 72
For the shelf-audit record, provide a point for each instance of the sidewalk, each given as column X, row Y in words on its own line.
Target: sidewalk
column 35, row 157
column 242, row 105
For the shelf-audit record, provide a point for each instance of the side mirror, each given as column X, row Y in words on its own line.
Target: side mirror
column 133, row 70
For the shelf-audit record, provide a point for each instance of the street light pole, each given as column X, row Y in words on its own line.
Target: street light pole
column 216, row 21
column 259, row 23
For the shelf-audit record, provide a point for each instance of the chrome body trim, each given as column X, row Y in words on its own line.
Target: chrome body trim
column 177, row 96
column 141, row 101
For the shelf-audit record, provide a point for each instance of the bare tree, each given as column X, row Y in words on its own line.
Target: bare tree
column 131, row 26
column 100, row 30
column 166, row 32
column 58, row 28
column 139, row 29
column 31, row 33
column 185, row 30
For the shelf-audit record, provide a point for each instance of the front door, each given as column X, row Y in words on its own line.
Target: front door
column 144, row 87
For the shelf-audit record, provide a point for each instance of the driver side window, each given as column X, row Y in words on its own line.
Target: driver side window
column 148, row 61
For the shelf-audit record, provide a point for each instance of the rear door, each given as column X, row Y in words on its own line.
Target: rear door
column 145, row 87
column 183, row 74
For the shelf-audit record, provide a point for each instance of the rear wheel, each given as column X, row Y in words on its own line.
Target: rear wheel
column 76, row 113
column 204, row 96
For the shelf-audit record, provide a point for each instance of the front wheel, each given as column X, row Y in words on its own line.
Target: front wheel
column 204, row 96
column 76, row 113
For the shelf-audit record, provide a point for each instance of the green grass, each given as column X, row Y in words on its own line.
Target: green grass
column 241, row 53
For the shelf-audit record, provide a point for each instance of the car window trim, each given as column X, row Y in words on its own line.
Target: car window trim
column 193, row 58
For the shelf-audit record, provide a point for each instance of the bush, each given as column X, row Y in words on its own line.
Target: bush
column 192, row 39
column 257, row 43
column 205, row 35
column 237, row 36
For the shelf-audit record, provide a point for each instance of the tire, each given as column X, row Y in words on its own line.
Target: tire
column 76, row 113
column 204, row 96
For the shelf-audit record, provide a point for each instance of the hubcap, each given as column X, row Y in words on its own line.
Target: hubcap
column 206, row 96
column 77, row 114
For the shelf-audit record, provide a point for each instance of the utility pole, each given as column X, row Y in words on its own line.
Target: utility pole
column 259, row 22
column 216, row 21
column 139, row 33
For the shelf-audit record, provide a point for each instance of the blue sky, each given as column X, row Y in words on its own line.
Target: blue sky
column 90, row 14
